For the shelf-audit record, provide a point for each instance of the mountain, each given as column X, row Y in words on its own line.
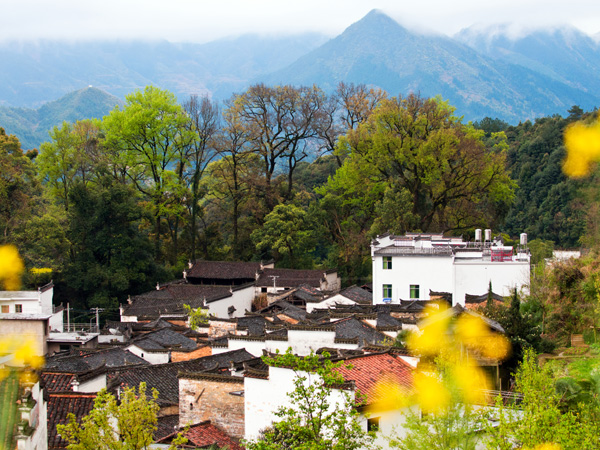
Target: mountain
column 378, row 51
column 564, row 54
column 33, row 73
column 31, row 126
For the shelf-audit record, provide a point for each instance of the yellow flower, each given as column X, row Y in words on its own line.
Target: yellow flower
column 583, row 147
column 11, row 267
column 546, row 446
column 387, row 395
column 434, row 338
column 496, row 346
column 472, row 382
column 431, row 394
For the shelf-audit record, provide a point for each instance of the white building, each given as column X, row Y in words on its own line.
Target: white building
column 409, row 267
column 32, row 303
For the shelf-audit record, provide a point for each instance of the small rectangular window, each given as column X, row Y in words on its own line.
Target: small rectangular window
column 5, row 309
column 387, row 291
column 373, row 424
column 387, row 262
column 414, row 292
column 18, row 308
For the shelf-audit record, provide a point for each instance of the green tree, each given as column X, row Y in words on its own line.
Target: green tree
column 18, row 186
column 110, row 257
column 72, row 155
column 312, row 423
column 420, row 149
column 126, row 424
column 280, row 122
column 539, row 418
column 196, row 316
column 204, row 125
column 146, row 135
column 288, row 234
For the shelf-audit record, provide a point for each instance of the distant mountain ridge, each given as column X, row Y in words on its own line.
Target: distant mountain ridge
column 379, row 51
column 31, row 126
column 481, row 71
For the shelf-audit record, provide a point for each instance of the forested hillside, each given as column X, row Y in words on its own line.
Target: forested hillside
column 110, row 207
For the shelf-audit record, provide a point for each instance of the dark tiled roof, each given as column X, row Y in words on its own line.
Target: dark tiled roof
column 163, row 339
column 352, row 328
column 78, row 361
column 224, row 270
column 170, row 298
column 56, row 382
column 366, row 371
column 283, row 307
column 166, row 426
column 254, row 324
column 358, row 294
column 386, row 320
column 61, row 404
column 290, row 278
column 163, row 377
column 482, row 298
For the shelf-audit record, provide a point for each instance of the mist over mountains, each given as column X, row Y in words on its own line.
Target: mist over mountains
column 481, row 71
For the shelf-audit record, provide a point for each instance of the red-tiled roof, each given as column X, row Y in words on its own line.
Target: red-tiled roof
column 57, row 382
column 369, row 370
column 205, row 434
column 61, row 404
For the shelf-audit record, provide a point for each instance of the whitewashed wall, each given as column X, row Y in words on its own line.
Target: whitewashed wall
column 151, row 357
column 473, row 277
column 429, row 272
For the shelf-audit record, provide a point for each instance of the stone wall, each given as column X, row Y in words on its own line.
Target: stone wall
column 218, row 398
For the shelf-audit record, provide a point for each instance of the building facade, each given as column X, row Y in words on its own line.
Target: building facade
column 409, row 267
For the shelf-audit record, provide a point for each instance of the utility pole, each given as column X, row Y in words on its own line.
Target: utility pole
column 68, row 318
column 97, row 310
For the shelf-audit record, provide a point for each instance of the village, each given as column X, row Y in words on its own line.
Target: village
column 200, row 340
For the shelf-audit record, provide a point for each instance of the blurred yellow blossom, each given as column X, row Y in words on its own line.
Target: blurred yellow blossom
column 448, row 370
column 433, row 339
column 387, row 395
column 582, row 142
column 11, row 267
column 472, row 382
column 431, row 394
column 546, row 446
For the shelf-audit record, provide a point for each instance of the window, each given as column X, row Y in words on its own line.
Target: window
column 5, row 309
column 18, row 308
column 414, row 291
column 373, row 424
column 387, row 291
column 387, row 262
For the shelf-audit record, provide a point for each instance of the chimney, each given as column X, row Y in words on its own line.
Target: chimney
column 75, row 384
column 190, row 264
column 231, row 368
column 158, row 286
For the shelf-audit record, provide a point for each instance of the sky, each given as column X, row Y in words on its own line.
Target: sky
column 202, row 21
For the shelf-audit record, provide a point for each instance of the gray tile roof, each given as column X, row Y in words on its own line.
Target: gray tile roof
column 78, row 361
column 163, row 377
column 352, row 328
column 290, row 278
column 170, row 298
column 224, row 270
column 163, row 339
column 358, row 294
